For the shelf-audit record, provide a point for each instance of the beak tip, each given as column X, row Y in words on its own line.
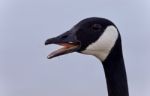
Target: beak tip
column 47, row 42
column 50, row 41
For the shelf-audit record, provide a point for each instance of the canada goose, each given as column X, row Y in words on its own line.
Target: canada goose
column 98, row 37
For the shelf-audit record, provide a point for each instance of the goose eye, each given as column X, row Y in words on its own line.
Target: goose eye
column 96, row 27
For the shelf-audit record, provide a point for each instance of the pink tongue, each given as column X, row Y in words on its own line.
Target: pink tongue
column 65, row 49
column 66, row 45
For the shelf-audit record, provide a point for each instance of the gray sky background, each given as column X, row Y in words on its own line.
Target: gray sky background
column 26, row 24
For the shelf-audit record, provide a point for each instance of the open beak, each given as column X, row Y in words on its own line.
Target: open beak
column 67, row 40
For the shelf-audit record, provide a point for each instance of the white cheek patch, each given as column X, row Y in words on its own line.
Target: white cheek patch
column 102, row 47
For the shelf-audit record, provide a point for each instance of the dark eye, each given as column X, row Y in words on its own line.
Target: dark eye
column 96, row 27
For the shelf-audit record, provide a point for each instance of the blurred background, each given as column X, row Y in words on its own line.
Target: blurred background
column 26, row 24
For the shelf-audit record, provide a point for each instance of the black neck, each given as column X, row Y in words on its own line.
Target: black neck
column 115, row 72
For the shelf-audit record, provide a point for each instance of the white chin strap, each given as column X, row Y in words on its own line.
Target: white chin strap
column 101, row 48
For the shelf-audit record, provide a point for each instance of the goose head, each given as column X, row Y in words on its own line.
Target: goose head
column 91, row 36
